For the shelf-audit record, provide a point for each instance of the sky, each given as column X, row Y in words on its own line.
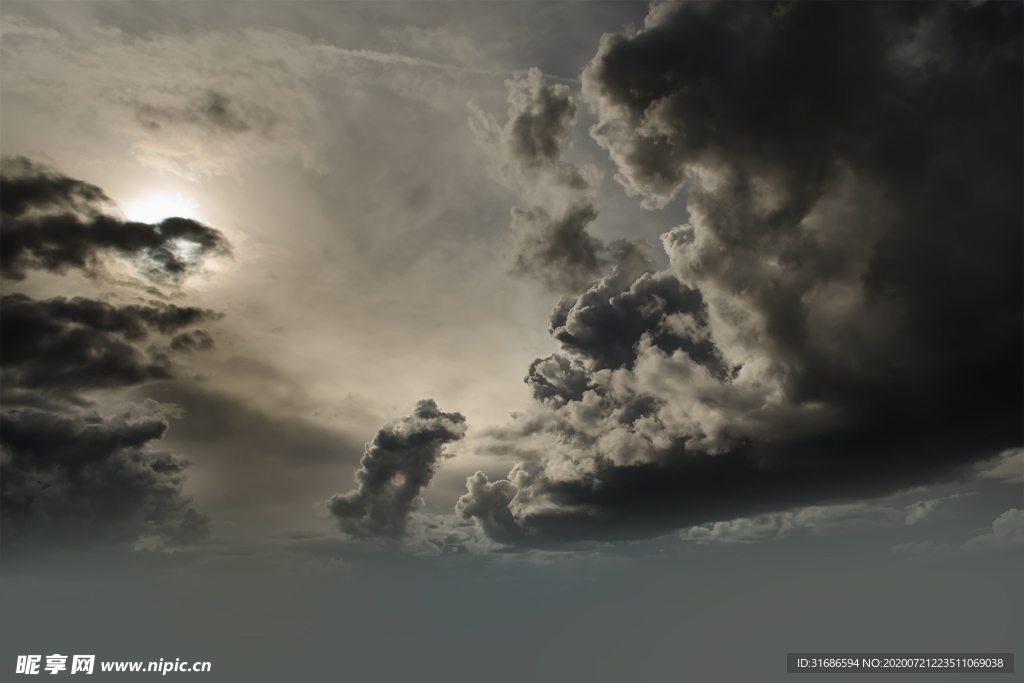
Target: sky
column 510, row 340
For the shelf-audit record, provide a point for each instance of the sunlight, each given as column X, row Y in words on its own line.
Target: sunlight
column 156, row 208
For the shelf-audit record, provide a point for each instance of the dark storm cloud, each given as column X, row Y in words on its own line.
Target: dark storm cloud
column 212, row 110
column 55, row 223
column 686, row 489
column 397, row 465
column 605, row 323
column 550, row 239
column 82, row 480
column 69, row 345
column 26, row 186
column 843, row 315
column 71, row 477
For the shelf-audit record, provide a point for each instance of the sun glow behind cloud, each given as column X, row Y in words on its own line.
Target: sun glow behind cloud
column 157, row 207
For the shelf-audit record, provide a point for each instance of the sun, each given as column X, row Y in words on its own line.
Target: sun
column 157, row 207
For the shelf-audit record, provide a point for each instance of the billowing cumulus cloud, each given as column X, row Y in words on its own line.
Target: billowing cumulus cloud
column 55, row 223
column 488, row 502
column 605, row 323
column 842, row 315
column 397, row 465
column 84, row 479
column 550, row 238
column 1007, row 535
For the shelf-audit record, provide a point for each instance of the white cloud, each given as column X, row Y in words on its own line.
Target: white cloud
column 1007, row 534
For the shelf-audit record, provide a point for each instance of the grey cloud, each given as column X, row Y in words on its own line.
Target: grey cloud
column 558, row 377
column 26, row 186
column 924, row 509
column 920, row 511
column 487, row 502
column 1007, row 535
column 678, row 489
column 540, row 124
column 71, row 477
column 397, row 465
column 605, row 323
column 842, row 318
column 529, row 147
column 69, row 345
column 83, row 480
column 196, row 340
column 55, row 223
column 558, row 251
column 550, row 239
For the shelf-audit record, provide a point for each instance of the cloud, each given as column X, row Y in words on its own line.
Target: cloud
column 26, row 185
column 69, row 345
column 527, row 151
column 605, row 324
column 196, row 340
column 54, row 223
column 922, row 510
column 195, row 105
column 776, row 525
column 80, row 469
column 210, row 110
column 1007, row 534
column 1009, row 467
column 842, row 316
column 488, row 504
column 79, row 463
column 550, row 238
column 88, row 479
column 397, row 465
column 559, row 252
column 210, row 102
